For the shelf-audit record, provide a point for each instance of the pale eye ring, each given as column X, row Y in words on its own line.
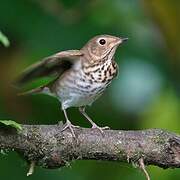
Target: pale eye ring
column 102, row 41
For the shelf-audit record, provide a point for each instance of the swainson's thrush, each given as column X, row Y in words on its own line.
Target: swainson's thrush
column 80, row 76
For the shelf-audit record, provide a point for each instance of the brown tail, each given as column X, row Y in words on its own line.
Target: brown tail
column 33, row 91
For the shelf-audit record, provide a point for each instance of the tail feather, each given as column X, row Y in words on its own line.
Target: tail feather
column 33, row 91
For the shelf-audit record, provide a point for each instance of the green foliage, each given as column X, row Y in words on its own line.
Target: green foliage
column 4, row 40
column 12, row 124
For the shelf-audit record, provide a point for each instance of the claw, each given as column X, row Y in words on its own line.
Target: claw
column 70, row 126
column 95, row 126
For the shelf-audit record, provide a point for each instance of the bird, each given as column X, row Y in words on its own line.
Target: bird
column 79, row 77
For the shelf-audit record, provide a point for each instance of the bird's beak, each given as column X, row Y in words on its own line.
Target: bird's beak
column 124, row 39
column 120, row 41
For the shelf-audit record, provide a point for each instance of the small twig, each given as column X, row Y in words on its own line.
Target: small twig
column 142, row 167
column 31, row 168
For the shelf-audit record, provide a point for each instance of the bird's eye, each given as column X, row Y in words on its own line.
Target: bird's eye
column 102, row 41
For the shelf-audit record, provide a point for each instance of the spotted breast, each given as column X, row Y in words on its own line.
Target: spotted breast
column 84, row 84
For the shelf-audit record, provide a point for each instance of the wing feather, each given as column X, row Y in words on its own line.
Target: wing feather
column 54, row 66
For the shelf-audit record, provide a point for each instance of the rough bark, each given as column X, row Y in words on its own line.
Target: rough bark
column 49, row 147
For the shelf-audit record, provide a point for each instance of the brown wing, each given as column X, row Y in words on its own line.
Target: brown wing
column 53, row 65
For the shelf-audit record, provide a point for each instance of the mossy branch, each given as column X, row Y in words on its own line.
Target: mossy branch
column 49, row 147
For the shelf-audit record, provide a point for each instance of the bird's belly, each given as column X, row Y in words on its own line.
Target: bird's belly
column 77, row 88
column 76, row 96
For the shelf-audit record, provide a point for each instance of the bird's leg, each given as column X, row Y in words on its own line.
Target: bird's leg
column 69, row 124
column 94, row 125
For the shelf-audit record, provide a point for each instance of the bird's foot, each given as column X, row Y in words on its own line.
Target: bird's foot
column 70, row 126
column 101, row 129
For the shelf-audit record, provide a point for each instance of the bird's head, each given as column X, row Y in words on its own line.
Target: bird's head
column 102, row 46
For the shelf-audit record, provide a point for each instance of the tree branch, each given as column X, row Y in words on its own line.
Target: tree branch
column 47, row 146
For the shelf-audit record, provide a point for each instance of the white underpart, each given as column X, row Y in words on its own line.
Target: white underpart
column 76, row 93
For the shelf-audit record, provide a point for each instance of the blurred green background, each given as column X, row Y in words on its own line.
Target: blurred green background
column 146, row 93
